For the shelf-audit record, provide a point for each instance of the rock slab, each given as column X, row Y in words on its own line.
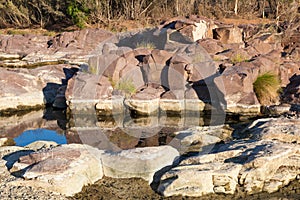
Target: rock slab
column 139, row 162
column 65, row 169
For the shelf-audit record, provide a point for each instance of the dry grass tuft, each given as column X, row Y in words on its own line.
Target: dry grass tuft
column 267, row 88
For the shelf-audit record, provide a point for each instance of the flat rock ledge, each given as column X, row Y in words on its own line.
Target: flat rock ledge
column 139, row 162
column 267, row 160
column 65, row 169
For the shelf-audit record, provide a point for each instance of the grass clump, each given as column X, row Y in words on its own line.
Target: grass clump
column 267, row 88
column 125, row 85
column 146, row 45
column 237, row 58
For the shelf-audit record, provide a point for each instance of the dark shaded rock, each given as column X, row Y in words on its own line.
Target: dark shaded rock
column 291, row 93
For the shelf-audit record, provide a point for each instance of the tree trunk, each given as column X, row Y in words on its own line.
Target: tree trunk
column 263, row 9
column 236, row 7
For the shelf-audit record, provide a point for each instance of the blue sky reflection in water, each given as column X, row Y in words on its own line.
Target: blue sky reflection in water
column 30, row 136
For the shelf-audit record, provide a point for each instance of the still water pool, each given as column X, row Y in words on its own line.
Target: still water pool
column 30, row 136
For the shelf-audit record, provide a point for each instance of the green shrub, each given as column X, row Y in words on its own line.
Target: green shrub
column 267, row 88
column 78, row 14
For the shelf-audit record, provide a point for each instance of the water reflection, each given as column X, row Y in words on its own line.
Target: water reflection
column 108, row 133
column 30, row 136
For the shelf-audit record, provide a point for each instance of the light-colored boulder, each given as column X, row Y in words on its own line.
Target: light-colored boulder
column 262, row 169
column 253, row 166
column 143, row 107
column 281, row 129
column 65, row 169
column 202, row 175
column 38, row 145
column 139, row 162
column 111, row 106
column 193, row 139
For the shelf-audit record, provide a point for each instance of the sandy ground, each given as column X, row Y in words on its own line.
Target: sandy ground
column 113, row 189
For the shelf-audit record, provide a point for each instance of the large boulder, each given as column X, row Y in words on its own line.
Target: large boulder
column 255, row 165
column 238, row 92
column 65, row 169
column 85, row 90
column 229, row 35
column 193, row 28
column 288, row 70
column 23, row 88
column 198, row 176
column 195, row 138
column 265, row 42
column 265, row 162
column 139, row 162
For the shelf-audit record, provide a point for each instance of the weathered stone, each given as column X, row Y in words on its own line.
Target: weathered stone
column 74, row 46
column 266, row 43
column 85, row 90
column 111, row 106
column 287, row 71
column 64, row 169
column 193, row 139
column 276, row 110
column 228, row 35
column 212, row 46
column 177, row 75
column 281, row 129
column 198, row 179
column 154, row 65
column 194, row 27
column 146, row 100
column 38, row 145
column 254, row 166
column 265, row 164
column 237, row 84
column 143, row 107
column 139, row 162
column 30, row 87
column 172, row 105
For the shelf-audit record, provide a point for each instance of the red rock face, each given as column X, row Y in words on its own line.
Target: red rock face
column 52, row 161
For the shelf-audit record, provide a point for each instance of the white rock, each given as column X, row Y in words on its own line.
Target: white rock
column 37, row 145
column 139, row 162
column 281, row 129
column 255, row 166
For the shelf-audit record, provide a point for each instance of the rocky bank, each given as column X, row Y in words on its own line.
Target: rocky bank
column 187, row 66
